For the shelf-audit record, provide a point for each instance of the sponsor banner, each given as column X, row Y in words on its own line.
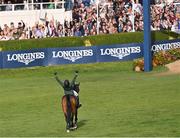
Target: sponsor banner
column 165, row 45
column 76, row 55
column 1, row 60
column 79, row 55
column 119, row 52
column 25, row 58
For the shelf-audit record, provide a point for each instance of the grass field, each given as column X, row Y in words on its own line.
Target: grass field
column 116, row 102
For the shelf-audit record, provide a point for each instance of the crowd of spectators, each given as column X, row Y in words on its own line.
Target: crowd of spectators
column 163, row 17
column 113, row 16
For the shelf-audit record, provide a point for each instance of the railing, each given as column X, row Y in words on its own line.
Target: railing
column 32, row 6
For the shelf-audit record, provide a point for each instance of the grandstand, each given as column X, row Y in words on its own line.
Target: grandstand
column 58, row 18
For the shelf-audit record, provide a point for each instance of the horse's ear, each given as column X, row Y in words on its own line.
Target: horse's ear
column 78, row 84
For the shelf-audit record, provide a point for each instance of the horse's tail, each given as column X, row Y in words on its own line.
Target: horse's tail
column 68, row 109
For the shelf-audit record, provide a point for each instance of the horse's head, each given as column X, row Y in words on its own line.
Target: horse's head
column 76, row 87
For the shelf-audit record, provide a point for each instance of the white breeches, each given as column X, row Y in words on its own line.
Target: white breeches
column 75, row 93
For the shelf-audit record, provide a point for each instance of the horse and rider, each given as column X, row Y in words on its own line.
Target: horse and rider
column 70, row 100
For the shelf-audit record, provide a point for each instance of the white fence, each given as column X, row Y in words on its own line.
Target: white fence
column 31, row 13
column 32, row 6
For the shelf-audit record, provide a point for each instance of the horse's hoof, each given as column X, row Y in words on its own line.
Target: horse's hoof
column 72, row 128
column 67, row 130
column 75, row 126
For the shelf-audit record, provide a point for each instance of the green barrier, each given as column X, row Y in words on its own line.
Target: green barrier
column 121, row 38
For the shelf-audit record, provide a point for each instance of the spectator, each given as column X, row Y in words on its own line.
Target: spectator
column 9, row 6
column 23, row 36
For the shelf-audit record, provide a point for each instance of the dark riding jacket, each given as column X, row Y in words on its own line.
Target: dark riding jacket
column 69, row 90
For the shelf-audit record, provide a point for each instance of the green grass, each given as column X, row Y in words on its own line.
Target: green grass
column 116, row 102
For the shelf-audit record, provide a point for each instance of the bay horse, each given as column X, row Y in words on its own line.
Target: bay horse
column 69, row 107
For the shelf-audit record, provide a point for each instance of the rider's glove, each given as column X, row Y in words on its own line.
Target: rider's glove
column 76, row 72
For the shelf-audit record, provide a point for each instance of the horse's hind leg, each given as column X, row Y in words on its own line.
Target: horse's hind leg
column 67, row 123
column 76, row 119
column 72, row 116
column 74, row 125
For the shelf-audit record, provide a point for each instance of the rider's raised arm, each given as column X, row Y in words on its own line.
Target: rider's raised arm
column 58, row 80
column 74, row 79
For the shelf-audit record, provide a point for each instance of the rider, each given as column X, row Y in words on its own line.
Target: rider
column 68, row 87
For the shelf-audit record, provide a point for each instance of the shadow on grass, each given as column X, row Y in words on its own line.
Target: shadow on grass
column 82, row 123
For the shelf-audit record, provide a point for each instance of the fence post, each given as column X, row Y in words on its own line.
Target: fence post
column 147, row 36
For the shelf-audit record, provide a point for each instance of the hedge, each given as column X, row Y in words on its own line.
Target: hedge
column 121, row 38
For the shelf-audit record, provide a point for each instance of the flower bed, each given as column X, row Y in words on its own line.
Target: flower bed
column 159, row 59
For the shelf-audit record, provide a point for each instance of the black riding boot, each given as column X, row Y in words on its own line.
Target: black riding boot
column 78, row 104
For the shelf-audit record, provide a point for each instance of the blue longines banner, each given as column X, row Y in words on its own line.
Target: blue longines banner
column 1, row 60
column 119, row 52
column 79, row 55
column 165, row 45
column 25, row 58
